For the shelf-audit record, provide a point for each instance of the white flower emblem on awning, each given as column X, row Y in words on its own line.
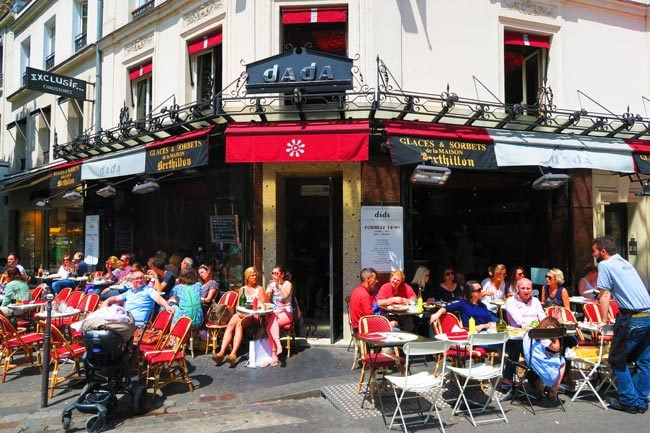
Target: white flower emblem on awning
column 295, row 148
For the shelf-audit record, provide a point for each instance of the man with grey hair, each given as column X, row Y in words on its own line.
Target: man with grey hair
column 187, row 263
column 361, row 298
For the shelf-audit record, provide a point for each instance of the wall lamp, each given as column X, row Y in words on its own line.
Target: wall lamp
column 550, row 181
column 107, row 191
column 645, row 188
column 430, row 175
column 72, row 195
column 43, row 203
column 145, row 187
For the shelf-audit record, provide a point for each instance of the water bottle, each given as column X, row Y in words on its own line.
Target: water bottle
column 255, row 301
column 242, row 299
column 501, row 324
column 420, row 303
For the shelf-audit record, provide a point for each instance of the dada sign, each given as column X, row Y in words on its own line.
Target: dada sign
column 300, row 68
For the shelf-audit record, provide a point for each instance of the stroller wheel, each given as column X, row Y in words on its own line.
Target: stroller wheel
column 95, row 424
column 65, row 421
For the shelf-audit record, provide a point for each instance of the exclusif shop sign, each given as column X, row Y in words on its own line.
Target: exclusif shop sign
column 178, row 156
column 55, row 84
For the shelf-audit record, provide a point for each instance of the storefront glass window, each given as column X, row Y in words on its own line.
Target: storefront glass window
column 30, row 239
column 65, row 234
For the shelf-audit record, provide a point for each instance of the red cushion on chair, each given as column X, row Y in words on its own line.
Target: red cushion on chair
column 77, row 350
column 30, row 338
column 23, row 323
column 382, row 359
column 75, row 335
column 460, row 352
column 158, row 356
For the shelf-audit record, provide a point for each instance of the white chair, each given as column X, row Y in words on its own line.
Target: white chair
column 592, row 363
column 416, row 384
column 479, row 372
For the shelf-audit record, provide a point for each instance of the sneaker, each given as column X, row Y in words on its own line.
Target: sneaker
column 616, row 405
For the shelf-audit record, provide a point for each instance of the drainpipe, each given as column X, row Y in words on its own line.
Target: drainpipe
column 98, row 67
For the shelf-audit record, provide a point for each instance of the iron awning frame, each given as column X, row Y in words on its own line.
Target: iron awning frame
column 385, row 101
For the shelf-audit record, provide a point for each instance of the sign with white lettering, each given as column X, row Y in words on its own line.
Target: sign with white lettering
column 382, row 237
column 123, row 165
column 300, row 68
column 55, row 84
column 91, row 242
column 224, row 229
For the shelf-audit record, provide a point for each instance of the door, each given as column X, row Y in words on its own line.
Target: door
column 313, row 244
column 616, row 226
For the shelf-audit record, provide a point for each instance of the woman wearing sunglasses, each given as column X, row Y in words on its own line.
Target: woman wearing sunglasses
column 517, row 275
column 280, row 291
column 553, row 292
column 448, row 290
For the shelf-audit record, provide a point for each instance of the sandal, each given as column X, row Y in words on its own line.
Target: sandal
column 232, row 359
column 218, row 357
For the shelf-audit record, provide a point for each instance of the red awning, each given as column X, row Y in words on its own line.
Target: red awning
column 437, row 130
column 316, row 141
column 526, row 39
column 140, row 71
column 315, row 15
column 205, row 42
column 641, row 155
column 191, row 135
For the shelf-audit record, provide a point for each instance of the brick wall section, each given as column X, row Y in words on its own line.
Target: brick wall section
column 380, row 183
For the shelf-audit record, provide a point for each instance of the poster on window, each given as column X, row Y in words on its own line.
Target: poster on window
column 91, row 240
column 382, row 237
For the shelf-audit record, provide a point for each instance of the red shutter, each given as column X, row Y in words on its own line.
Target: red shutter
column 526, row 39
column 315, row 15
column 140, row 71
column 204, row 42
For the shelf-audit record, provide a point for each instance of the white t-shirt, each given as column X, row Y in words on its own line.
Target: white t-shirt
column 499, row 293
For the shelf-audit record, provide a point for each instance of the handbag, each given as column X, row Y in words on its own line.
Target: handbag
column 148, row 336
column 220, row 314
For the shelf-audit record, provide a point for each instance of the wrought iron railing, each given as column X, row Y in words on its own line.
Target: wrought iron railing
column 79, row 41
column 143, row 10
column 49, row 62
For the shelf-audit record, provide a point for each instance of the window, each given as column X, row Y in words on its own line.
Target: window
column 141, row 83
column 81, row 25
column 43, row 120
column 321, row 29
column 19, row 162
column 50, row 43
column 25, row 53
column 524, row 66
column 142, row 7
column 206, row 58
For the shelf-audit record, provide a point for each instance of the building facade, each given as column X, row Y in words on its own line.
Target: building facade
column 200, row 103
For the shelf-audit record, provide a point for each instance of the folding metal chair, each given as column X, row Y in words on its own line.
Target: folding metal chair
column 592, row 364
column 479, row 372
column 523, row 369
column 414, row 385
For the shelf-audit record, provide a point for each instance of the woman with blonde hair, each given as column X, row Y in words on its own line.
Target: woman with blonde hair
column 235, row 331
column 421, row 280
column 280, row 291
column 113, row 267
column 553, row 292
column 494, row 287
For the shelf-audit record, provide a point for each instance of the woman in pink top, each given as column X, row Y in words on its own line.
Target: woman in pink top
column 280, row 292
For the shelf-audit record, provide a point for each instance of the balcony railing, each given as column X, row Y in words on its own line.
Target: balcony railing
column 79, row 41
column 49, row 62
column 143, row 10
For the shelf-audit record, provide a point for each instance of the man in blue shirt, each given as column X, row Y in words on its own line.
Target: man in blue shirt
column 617, row 278
column 140, row 299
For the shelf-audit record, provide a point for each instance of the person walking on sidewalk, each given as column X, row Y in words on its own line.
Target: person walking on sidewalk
column 631, row 342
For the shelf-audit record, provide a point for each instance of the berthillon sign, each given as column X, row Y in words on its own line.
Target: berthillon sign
column 61, row 85
column 300, row 68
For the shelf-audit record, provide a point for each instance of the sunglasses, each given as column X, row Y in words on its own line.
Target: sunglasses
column 478, row 290
column 275, row 273
column 450, row 273
column 550, row 277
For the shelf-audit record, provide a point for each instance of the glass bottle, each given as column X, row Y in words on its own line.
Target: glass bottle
column 420, row 303
column 242, row 299
column 502, row 326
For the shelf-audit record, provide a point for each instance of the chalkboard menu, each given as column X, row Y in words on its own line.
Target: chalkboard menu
column 224, row 229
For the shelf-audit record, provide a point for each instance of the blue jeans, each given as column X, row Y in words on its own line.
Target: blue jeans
column 58, row 285
column 633, row 389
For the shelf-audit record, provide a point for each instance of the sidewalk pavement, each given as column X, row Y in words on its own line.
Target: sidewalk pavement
column 286, row 398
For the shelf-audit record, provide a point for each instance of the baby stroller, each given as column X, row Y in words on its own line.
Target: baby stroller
column 108, row 368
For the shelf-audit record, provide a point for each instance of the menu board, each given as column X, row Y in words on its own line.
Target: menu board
column 382, row 237
column 224, row 229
